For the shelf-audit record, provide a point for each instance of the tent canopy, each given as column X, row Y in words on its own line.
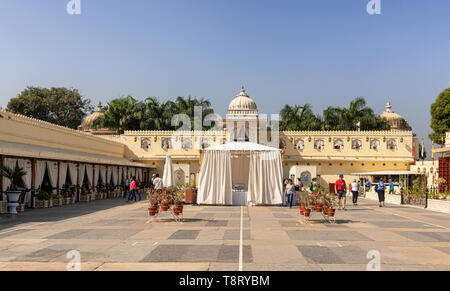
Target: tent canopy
column 261, row 171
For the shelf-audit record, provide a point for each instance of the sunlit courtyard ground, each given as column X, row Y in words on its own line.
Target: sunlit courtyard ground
column 115, row 235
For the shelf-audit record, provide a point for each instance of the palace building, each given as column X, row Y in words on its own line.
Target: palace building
column 85, row 158
column 306, row 154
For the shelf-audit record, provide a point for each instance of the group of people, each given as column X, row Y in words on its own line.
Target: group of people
column 340, row 187
column 290, row 189
column 131, row 185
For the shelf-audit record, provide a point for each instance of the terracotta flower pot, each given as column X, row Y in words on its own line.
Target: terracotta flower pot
column 302, row 211
column 331, row 212
column 319, row 208
column 307, row 212
column 164, row 206
column 177, row 211
column 152, row 211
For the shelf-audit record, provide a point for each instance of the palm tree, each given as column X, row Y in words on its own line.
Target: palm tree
column 299, row 118
column 14, row 175
column 123, row 114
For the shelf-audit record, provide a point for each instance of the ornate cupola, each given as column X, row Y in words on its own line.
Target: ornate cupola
column 396, row 121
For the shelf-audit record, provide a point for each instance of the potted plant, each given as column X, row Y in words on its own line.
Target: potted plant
column 43, row 199
column 178, row 199
column 331, row 202
column 153, row 196
column 15, row 177
column 165, row 199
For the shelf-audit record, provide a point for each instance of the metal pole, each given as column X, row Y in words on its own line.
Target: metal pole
column 401, row 192
column 426, row 198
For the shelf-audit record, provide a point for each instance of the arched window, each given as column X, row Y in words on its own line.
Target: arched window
column 186, row 144
column 166, row 144
column 356, row 144
column 391, row 144
column 299, row 144
column 319, row 144
column 338, row 144
column 179, row 177
column 205, row 143
column 375, row 144
column 145, row 143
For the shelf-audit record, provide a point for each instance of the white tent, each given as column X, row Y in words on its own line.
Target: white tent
column 256, row 166
column 168, row 178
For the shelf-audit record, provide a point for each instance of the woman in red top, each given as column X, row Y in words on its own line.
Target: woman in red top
column 132, row 190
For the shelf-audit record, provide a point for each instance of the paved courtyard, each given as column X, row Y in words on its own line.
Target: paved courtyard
column 114, row 235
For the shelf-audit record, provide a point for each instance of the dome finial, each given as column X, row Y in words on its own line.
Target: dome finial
column 99, row 107
column 389, row 107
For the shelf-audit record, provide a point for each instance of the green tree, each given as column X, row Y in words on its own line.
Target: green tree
column 357, row 116
column 299, row 118
column 440, row 116
column 123, row 114
column 61, row 106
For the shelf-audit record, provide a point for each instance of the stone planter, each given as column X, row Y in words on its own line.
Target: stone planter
column 50, row 203
column 13, row 198
column 73, row 200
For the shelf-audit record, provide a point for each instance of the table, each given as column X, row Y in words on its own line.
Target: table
column 239, row 198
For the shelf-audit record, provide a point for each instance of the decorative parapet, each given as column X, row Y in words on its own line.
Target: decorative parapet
column 354, row 133
column 44, row 124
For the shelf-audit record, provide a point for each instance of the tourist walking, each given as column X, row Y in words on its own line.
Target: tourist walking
column 340, row 187
column 132, row 190
column 391, row 187
column 368, row 185
column 355, row 192
column 381, row 193
column 290, row 190
column 158, row 182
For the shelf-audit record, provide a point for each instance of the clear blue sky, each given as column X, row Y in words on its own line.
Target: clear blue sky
column 323, row 52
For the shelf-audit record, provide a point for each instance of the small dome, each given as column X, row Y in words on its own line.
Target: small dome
column 242, row 105
column 397, row 121
column 87, row 122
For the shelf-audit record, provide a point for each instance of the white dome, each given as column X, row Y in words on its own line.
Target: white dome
column 242, row 105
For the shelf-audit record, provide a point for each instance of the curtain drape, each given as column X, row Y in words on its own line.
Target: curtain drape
column 82, row 171
column 96, row 175
column 10, row 163
column 102, row 170
column 265, row 178
column 26, row 165
column 119, row 181
column 73, row 173
column 52, row 168
column 40, row 173
column 89, row 174
column 215, row 179
column 62, row 174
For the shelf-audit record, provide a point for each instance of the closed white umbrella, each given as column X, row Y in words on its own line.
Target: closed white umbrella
column 168, row 178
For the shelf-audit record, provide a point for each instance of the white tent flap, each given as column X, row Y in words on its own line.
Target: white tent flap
column 215, row 179
column 265, row 178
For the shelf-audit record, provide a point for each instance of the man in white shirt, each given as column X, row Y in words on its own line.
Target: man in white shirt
column 158, row 182
column 355, row 192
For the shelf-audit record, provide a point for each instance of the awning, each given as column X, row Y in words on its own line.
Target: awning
column 50, row 153
column 386, row 173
